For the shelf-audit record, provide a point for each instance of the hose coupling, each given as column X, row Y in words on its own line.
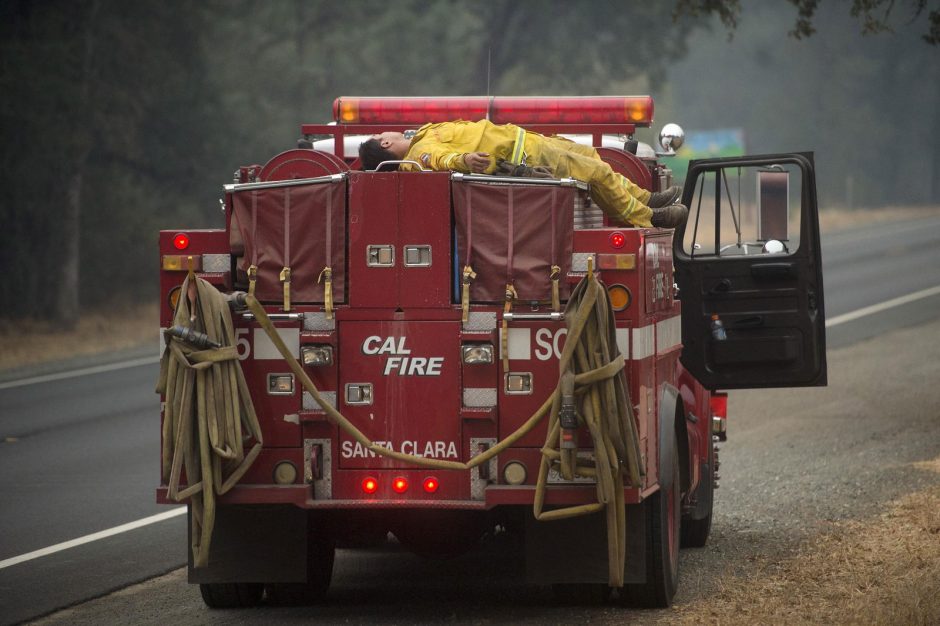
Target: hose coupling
column 192, row 337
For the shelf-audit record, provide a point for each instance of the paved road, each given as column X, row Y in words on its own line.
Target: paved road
column 66, row 444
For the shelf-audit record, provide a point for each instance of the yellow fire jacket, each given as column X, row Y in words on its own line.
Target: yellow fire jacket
column 441, row 147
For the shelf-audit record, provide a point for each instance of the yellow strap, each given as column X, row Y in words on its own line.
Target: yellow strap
column 252, row 277
column 507, row 307
column 519, row 149
column 285, row 278
column 326, row 276
column 468, row 275
column 556, row 298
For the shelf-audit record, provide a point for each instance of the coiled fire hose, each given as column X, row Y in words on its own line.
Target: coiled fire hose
column 589, row 366
column 208, row 414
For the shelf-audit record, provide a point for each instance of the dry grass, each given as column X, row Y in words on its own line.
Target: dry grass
column 881, row 571
column 28, row 342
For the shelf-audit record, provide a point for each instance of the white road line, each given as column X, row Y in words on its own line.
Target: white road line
column 882, row 306
column 85, row 371
column 65, row 545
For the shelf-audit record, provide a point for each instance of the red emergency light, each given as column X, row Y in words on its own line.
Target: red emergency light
column 370, row 485
column 636, row 110
column 180, row 241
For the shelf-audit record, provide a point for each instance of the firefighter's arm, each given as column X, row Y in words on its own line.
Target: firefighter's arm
column 442, row 157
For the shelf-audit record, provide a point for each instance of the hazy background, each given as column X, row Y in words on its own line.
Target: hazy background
column 122, row 118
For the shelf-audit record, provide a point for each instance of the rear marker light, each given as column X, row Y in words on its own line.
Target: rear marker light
column 285, row 473
column 619, row 297
column 617, row 240
column 370, row 485
column 400, row 485
column 174, row 297
column 514, row 473
column 180, row 241
column 431, row 484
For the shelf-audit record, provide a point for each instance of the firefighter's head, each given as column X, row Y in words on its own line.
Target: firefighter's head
column 387, row 146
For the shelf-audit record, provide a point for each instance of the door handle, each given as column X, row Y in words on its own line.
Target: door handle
column 773, row 270
column 749, row 322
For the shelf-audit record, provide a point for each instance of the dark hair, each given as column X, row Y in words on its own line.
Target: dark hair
column 371, row 153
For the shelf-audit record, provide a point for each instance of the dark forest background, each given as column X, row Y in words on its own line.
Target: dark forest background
column 122, row 118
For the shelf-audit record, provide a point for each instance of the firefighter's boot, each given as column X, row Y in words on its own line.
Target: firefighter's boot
column 671, row 216
column 664, row 198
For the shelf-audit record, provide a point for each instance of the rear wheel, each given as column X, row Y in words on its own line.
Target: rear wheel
column 231, row 595
column 662, row 546
column 321, row 550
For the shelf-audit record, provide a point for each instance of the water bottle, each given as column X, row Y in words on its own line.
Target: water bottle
column 718, row 329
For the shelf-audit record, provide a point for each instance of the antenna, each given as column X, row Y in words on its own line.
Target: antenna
column 489, row 56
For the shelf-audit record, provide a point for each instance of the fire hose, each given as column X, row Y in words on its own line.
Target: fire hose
column 590, row 393
column 207, row 409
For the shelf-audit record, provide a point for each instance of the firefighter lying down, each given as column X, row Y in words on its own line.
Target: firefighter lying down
column 486, row 148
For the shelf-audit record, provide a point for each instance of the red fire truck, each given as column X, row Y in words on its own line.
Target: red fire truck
column 403, row 363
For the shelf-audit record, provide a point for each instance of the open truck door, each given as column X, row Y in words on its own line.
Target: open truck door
column 749, row 272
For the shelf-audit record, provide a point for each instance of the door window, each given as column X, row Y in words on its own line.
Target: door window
column 745, row 210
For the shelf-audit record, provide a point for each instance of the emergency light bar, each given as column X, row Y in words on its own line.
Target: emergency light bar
column 636, row 110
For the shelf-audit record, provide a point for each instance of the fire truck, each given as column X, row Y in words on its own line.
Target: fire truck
column 439, row 357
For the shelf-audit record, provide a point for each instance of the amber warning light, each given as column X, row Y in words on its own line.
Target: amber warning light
column 635, row 110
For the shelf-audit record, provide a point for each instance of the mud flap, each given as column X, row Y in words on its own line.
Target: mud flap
column 667, row 423
column 574, row 550
column 255, row 544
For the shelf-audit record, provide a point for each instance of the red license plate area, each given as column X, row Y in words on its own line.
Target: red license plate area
column 399, row 385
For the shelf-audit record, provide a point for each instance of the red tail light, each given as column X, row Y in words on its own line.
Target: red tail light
column 431, row 484
column 720, row 405
column 180, row 241
column 636, row 110
column 370, row 485
column 617, row 240
column 400, row 485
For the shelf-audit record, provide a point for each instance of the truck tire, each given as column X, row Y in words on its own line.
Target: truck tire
column 663, row 510
column 320, row 556
column 231, row 595
column 695, row 531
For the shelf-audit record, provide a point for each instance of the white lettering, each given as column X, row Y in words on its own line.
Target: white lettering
column 392, row 363
column 369, row 345
column 388, row 347
column 435, row 363
column 543, row 340
column 401, row 347
column 417, row 366
column 549, row 345
column 430, row 449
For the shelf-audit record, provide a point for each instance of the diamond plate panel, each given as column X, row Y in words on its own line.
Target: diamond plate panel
column 216, row 263
column 480, row 397
column 318, row 321
column 311, row 405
